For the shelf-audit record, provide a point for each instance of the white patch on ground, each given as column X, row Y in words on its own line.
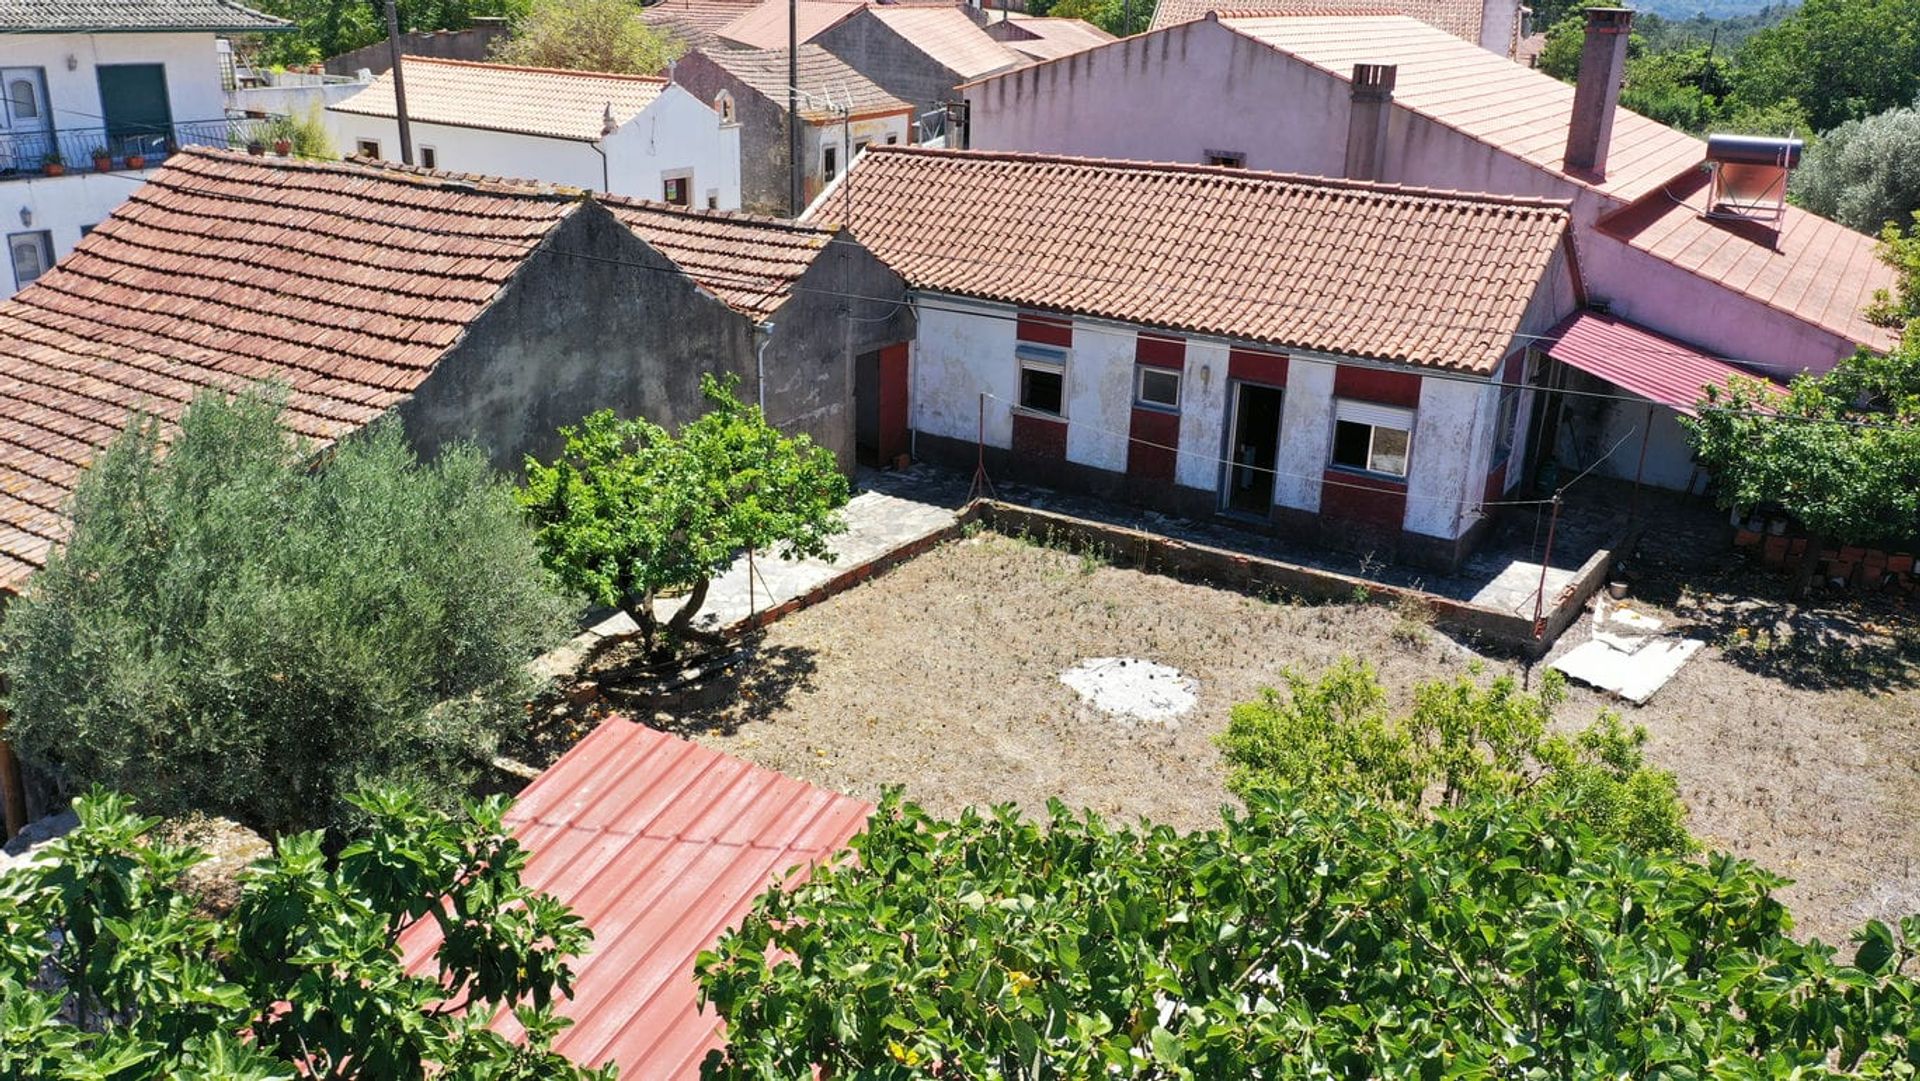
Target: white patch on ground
column 1133, row 688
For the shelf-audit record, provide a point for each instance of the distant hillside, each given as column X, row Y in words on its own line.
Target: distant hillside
column 1682, row 10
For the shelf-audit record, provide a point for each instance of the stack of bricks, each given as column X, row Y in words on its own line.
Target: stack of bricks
column 1860, row 568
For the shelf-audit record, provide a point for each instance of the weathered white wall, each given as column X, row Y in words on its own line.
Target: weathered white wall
column 1203, row 416
column 962, row 348
column 295, row 99
column 61, row 206
column 1306, row 434
column 1099, row 395
column 471, row 150
column 192, row 65
column 1452, row 450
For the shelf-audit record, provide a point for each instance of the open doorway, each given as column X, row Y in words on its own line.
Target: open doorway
column 1253, row 446
column 880, row 405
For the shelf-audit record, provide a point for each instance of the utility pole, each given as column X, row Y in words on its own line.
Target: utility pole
column 399, row 86
column 796, row 191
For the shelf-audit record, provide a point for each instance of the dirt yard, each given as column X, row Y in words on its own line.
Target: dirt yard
column 944, row 676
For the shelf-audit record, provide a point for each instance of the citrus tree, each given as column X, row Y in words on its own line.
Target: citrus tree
column 111, row 969
column 629, row 511
column 1344, row 938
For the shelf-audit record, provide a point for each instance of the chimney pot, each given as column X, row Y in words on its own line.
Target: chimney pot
column 1368, row 110
column 1596, row 97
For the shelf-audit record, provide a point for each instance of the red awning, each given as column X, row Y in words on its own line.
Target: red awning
column 1639, row 361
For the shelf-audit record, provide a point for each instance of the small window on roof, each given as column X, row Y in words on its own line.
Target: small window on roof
column 367, row 148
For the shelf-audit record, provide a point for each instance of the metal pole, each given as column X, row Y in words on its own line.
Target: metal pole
column 1546, row 560
column 796, row 191
column 399, row 86
column 1646, row 433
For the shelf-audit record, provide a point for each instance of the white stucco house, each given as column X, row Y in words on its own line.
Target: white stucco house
column 1283, row 351
column 133, row 80
column 633, row 135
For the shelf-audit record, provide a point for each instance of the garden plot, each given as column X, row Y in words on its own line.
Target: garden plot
column 945, row 676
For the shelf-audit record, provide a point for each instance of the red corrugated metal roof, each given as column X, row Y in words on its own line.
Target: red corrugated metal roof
column 1638, row 360
column 660, row 845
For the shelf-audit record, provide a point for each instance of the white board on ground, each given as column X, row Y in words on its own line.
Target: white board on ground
column 1133, row 688
column 1633, row 676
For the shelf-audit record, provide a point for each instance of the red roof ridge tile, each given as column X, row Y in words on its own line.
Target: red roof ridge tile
column 1305, row 180
column 517, row 187
column 623, row 76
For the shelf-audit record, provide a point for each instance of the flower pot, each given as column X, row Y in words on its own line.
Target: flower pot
column 136, row 161
column 256, row 148
column 283, row 147
column 1617, row 590
column 102, row 164
column 54, row 168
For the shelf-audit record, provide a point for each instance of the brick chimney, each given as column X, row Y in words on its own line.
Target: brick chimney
column 1367, row 112
column 1603, row 63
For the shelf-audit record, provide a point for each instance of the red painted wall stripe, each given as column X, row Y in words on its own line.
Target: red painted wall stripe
column 1377, row 385
column 1152, row 450
column 1160, row 352
column 1256, row 366
column 1039, row 437
column 1360, row 498
column 1046, row 329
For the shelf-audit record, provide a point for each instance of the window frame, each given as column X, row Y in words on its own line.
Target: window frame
column 1045, row 359
column 1226, row 159
column 1506, row 425
column 429, row 157
column 829, row 162
column 1140, row 399
column 43, row 251
column 360, row 149
column 1374, row 417
column 682, row 177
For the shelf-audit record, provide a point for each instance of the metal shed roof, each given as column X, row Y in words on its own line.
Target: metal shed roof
column 660, row 845
column 1632, row 358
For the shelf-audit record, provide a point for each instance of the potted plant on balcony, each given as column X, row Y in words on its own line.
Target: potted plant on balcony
column 256, row 147
column 136, row 160
column 102, row 160
column 52, row 163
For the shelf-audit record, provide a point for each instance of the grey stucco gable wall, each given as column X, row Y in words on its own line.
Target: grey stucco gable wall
column 595, row 318
column 898, row 66
column 763, row 131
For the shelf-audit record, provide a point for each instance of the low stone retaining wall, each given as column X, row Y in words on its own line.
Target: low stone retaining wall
column 1858, row 568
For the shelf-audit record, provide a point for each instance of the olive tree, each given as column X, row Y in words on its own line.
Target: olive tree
column 629, row 511
column 1865, row 174
column 237, row 627
column 111, row 968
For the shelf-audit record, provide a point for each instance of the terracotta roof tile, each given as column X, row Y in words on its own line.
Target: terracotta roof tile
column 87, row 16
column 1461, row 18
column 765, row 25
column 701, row 17
column 1482, row 95
column 345, row 283
column 1046, row 38
column 749, row 263
column 948, row 36
column 1365, row 270
column 660, row 846
column 1814, row 269
column 823, row 76
column 501, row 97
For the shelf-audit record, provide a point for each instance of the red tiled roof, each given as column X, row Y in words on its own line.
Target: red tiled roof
column 1048, row 38
column 660, row 845
column 826, row 81
column 701, row 16
column 946, row 34
column 502, row 97
column 346, row 283
column 1461, row 18
column 765, row 26
column 1805, row 265
column 1520, row 111
column 1354, row 269
column 750, row 263
column 1633, row 358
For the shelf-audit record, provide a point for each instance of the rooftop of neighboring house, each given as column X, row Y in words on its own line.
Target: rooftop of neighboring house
column 1461, row 18
column 345, row 281
column 660, row 846
column 764, row 26
column 949, row 37
column 1489, row 98
column 826, row 82
column 702, row 17
column 1377, row 271
column 1041, row 37
column 547, row 102
column 1808, row 266
column 133, row 16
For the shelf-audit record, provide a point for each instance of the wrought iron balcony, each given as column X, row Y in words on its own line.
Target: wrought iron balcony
column 72, row 150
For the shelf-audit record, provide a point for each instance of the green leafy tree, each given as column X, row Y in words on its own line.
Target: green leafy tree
column 1865, row 174
column 1495, row 939
column 1118, row 17
column 232, row 629
column 1332, row 737
column 327, row 28
column 629, row 511
column 1840, row 452
column 1842, row 59
column 110, row 969
column 589, row 35
column 1899, row 307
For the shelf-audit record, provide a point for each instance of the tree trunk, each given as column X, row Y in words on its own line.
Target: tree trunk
column 696, row 597
column 1809, row 562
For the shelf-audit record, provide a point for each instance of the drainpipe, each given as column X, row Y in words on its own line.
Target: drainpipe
column 607, row 127
column 760, row 364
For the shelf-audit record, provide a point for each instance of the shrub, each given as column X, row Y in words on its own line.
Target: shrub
column 232, row 629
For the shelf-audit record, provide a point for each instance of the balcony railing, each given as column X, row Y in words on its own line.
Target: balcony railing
column 27, row 154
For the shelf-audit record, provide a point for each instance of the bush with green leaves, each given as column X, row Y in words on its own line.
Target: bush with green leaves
column 1865, row 174
column 588, row 35
column 1340, row 938
column 236, row 629
column 630, row 511
column 306, row 135
column 110, row 969
column 1333, row 737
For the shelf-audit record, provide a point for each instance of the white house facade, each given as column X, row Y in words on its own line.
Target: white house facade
column 630, row 135
column 93, row 98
